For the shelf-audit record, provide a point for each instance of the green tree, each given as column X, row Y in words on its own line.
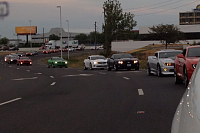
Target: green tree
column 167, row 33
column 99, row 37
column 54, row 37
column 82, row 38
column 4, row 40
column 117, row 24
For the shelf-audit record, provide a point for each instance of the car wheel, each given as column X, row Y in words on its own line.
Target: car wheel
column 177, row 80
column 148, row 70
column 85, row 68
column 115, row 67
column 137, row 67
column 52, row 65
column 91, row 67
column 48, row 66
column 186, row 81
column 159, row 71
column 108, row 68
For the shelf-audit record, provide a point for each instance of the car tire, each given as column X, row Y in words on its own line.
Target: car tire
column 177, row 80
column 108, row 68
column 159, row 71
column 91, row 67
column 148, row 70
column 48, row 66
column 186, row 81
column 85, row 68
column 52, row 65
column 115, row 67
column 137, row 67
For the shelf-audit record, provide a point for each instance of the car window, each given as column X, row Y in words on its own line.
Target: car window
column 119, row 56
column 169, row 54
column 193, row 52
column 156, row 54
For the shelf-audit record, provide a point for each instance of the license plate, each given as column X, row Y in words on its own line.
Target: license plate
column 128, row 65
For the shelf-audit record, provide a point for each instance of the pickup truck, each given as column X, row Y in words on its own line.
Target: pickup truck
column 185, row 64
column 162, row 63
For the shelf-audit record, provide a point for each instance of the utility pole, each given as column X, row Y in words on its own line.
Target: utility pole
column 105, row 32
column 95, row 40
column 43, row 36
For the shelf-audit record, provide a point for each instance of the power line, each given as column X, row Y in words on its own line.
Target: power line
column 148, row 5
column 161, row 6
column 167, row 10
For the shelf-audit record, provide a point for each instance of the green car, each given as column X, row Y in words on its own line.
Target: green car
column 57, row 61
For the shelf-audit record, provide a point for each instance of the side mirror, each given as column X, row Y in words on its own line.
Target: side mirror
column 154, row 57
column 180, row 56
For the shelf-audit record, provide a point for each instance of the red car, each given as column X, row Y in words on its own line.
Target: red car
column 41, row 48
column 24, row 61
column 185, row 64
column 46, row 52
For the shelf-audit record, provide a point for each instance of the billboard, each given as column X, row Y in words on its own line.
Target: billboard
column 26, row 30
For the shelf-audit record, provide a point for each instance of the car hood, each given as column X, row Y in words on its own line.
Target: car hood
column 99, row 60
column 167, row 60
column 193, row 60
column 59, row 60
column 126, row 59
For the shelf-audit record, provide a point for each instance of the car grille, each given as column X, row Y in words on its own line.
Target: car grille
column 102, row 62
column 26, row 62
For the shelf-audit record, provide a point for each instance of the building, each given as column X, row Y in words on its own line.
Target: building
column 44, row 38
column 190, row 18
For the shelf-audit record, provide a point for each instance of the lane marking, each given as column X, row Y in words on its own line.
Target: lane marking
column 52, row 77
column 128, row 72
column 77, row 75
column 17, row 68
column 126, row 78
column 140, row 112
column 10, row 101
column 101, row 73
column 9, row 66
column 140, row 91
column 25, row 78
column 38, row 73
column 53, row 83
column 28, row 70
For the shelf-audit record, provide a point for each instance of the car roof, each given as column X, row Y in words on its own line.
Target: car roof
column 196, row 46
column 96, row 55
column 169, row 50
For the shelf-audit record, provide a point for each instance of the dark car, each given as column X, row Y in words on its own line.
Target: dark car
column 13, row 48
column 12, row 59
column 122, row 61
column 5, row 48
column 31, row 53
column 21, row 54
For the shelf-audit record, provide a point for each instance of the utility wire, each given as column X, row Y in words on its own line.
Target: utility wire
column 167, row 10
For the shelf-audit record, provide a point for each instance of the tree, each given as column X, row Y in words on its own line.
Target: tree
column 82, row 38
column 4, row 40
column 116, row 24
column 54, row 37
column 167, row 33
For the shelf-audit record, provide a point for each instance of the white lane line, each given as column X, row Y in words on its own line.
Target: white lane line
column 126, row 78
column 28, row 70
column 85, row 74
column 9, row 66
column 17, row 68
column 10, row 101
column 52, row 77
column 78, row 75
column 140, row 91
column 53, row 83
column 101, row 73
column 38, row 73
column 25, row 78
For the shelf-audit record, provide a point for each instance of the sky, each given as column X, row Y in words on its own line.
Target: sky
column 82, row 14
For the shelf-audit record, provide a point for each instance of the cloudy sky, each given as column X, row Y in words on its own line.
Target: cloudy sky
column 82, row 14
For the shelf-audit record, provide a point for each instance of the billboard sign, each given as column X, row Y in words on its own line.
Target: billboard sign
column 198, row 7
column 26, row 30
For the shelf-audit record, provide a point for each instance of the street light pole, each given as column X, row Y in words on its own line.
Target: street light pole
column 68, row 40
column 60, row 29
column 30, row 34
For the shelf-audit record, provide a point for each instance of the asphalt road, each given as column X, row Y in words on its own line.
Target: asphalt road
column 37, row 99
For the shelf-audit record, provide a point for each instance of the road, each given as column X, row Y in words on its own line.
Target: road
column 37, row 99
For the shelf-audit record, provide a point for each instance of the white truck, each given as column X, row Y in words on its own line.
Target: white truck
column 55, row 44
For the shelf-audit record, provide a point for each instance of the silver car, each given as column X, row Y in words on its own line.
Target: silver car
column 162, row 63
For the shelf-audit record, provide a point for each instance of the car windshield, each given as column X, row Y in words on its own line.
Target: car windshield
column 57, row 58
column 24, row 58
column 119, row 56
column 194, row 52
column 169, row 54
column 97, row 57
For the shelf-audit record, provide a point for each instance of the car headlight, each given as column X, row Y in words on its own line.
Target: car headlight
column 135, row 61
column 30, row 62
column 95, row 62
column 167, row 64
column 65, row 62
column 194, row 65
column 11, row 59
column 56, row 62
column 120, row 62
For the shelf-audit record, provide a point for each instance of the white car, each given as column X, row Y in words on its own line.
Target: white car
column 95, row 62
column 70, row 49
column 187, row 115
